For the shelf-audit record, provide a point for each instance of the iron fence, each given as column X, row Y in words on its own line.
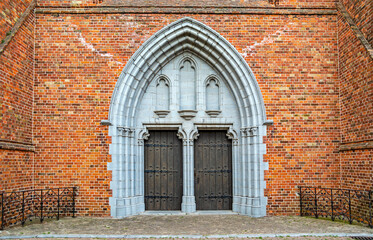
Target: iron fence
column 342, row 204
column 21, row 206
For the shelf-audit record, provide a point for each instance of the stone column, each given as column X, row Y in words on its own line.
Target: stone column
column 231, row 134
column 245, row 171
column 188, row 204
column 140, row 202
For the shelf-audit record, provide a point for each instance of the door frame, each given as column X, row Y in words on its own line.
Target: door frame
column 188, row 133
column 198, row 171
column 177, row 163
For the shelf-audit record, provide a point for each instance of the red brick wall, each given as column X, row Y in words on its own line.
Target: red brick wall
column 188, row 3
column 80, row 57
column 357, row 169
column 356, row 93
column 355, row 73
column 218, row 3
column 16, row 83
column 307, row 3
column 16, row 102
column 10, row 12
column 362, row 13
column 16, row 170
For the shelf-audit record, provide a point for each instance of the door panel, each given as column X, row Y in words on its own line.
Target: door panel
column 213, row 171
column 163, row 171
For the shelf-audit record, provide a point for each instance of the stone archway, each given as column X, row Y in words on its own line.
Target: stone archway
column 191, row 43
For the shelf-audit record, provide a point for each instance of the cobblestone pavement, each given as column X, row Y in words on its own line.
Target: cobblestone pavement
column 203, row 225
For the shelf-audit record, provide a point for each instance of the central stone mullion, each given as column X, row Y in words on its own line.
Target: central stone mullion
column 188, row 204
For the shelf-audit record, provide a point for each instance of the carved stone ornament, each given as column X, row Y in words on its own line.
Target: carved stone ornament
column 162, row 113
column 125, row 131
column 253, row 131
column 213, row 113
column 187, row 114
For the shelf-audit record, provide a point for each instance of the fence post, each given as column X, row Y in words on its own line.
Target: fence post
column 370, row 209
column 301, row 203
column 23, row 208
column 349, row 206
column 2, row 211
column 74, row 189
column 58, row 203
column 331, row 195
column 316, row 214
column 41, row 206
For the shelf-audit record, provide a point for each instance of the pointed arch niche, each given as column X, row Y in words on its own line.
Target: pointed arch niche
column 238, row 98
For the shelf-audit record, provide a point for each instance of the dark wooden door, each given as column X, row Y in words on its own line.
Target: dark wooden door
column 213, row 171
column 163, row 171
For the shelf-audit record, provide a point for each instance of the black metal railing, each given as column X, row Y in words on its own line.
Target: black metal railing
column 343, row 204
column 21, row 206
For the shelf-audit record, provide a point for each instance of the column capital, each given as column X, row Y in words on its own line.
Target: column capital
column 125, row 131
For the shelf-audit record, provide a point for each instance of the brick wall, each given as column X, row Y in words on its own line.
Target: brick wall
column 356, row 93
column 362, row 13
column 316, row 101
column 307, row 3
column 16, row 170
column 16, row 101
column 80, row 57
column 187, row 3
column 16, row 82
column 10, row 12
column 207, row 3
column 357, row 169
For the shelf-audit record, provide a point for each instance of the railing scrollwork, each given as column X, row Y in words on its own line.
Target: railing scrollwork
column 21, row 206
column 341, row 204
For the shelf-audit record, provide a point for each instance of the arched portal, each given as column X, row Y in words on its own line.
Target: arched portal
column 187, row 60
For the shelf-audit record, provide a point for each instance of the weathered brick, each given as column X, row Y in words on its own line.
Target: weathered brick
column 314, row 75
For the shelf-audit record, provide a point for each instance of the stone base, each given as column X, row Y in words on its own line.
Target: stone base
column 188, row 204
column 125, row 207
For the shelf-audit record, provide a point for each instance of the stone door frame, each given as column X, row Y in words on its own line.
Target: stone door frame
column 183, row 35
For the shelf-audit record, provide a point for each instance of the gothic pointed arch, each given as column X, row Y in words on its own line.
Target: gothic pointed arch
column 186, row 35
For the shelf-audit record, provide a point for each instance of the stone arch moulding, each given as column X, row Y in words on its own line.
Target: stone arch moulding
column 186, row 35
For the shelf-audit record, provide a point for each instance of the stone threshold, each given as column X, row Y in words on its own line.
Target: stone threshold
column 205, row 212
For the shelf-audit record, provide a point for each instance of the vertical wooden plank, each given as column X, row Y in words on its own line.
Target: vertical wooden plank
column 152, row 174
column 170, row 168
column 225, row 178
column 213, row 166
column 230, row 176
column 164, row 168
column 205, row 185
column 219, row 167
column 157, row 167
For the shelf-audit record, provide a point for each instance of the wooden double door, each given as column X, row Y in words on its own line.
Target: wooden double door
column 164, row 171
